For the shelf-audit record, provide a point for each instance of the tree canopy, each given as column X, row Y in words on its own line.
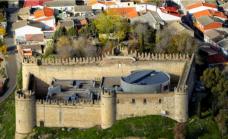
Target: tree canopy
column 215, row 80
column 111, row 25
column 171, row 42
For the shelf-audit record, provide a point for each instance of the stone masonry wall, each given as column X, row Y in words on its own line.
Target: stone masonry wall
column 144, row 104
column 85, row 115
column 80, row 115
column 45, row 74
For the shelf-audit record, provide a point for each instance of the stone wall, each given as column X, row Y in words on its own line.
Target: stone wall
column 78, row 115
column 88, row 114
column 112, row 107
column 132, row 105
column 46, row 70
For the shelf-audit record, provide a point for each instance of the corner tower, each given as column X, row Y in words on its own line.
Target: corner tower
column 108, row 109
column 181, row 104
column 25, row 113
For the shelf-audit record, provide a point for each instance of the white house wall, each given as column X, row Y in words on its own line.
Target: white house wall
column 49, row 23
column 27, row 30
column 99, row 6
column 164, row 16
column 201, row 8
column 123, row 4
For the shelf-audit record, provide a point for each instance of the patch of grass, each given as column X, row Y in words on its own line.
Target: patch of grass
column 7, row 118
column 149, row 126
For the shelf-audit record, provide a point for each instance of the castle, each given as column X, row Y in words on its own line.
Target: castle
column 33, row 109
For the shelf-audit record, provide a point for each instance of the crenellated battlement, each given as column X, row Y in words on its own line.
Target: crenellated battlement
column 24, row 94
column 181, row 89
column 68, row 103
column 108, row 93
column 135, row 56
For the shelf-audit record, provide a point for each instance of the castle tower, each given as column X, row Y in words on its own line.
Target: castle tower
column 108, row 109
column 25, row 113
column 181, row 105
column 26, row 78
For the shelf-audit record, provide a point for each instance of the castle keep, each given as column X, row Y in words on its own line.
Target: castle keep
column 38, row 104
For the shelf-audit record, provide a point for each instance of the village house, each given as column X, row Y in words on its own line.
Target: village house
column 61, row 5
column 128, row 12
column 82, row 10
column 45, row 17
column 199, row 6
column 102, row 5
column 34, row 3
column 208, row 19
column 25, row 32
column 150, row 18
column 213, row 36
column 30, row 50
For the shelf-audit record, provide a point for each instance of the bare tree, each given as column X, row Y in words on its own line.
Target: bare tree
column 64, row 47
column 84, row 47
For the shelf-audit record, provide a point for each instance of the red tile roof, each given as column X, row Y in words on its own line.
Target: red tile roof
column 129, row 12
column 199, row 4
column 210, row 13
column 107, row 2
column 30, row 3
column 217, row 58
column 44, row 12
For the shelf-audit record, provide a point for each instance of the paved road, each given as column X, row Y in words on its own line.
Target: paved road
column 11, row 61
column 11, row 68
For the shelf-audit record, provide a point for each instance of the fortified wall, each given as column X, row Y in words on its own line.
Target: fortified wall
column 38, row 74
column 94, row 68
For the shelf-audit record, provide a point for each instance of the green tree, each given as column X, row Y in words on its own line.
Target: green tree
column 112, row 26
column 72, row 32
column 216, row 82
column 145, row 36
column 2, row 42
column 60, row 32
column 49, row 49
column 89, row 30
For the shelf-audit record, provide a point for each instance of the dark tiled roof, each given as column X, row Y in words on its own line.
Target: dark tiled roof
column 19, row 24
column 60, row 3
column 205, row 20
column 79, row 8
column 66, row 23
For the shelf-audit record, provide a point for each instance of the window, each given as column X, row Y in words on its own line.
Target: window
column 159, row 100
column 165, row 87
column 41, row 123
column 133, row 101
column 144, row 101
